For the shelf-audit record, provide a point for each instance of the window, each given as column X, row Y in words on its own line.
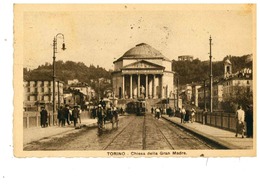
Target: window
column 248, row 82
column 28, row 90
column 28, row 97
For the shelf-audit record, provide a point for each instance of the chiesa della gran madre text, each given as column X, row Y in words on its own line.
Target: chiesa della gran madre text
column 143, row 72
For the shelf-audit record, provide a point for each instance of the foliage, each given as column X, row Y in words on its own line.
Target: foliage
column 241, row 96
column 197, row 71
column 70, row 70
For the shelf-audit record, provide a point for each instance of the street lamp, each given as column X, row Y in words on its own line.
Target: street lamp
column 211, row 76
column 54, row 72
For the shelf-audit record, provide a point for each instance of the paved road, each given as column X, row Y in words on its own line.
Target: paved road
column 133, row 133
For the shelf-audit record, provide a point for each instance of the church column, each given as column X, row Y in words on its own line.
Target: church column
column 162, row 91
column 146, row 86
column 138, row 86
column 154, row 87
column 123, row 87
column 150, row 87
column 131, row 86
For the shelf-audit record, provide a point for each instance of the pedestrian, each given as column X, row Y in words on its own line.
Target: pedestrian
column 102, row 103
column 157, row 113
column 60, row 116
column 70, row 115
column 240, row 126
column 187, row 116
column 100, row 116
column 249, row 121
column 121, row 111
column 67, row 114
column 193, row 115
column 44, row 117
column 152, row 110
column 183, row 112
column 75, row 114
column 80, row 111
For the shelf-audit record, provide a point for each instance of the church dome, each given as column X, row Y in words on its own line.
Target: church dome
column 143, row 50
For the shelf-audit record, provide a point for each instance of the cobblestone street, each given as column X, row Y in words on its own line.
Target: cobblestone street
column 133, row 133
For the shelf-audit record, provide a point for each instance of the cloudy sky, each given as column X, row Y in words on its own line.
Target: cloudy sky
column 100, row 34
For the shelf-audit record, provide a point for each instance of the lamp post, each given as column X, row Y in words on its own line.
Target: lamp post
column 54, row 72
column 205, row 95
column 211, row 76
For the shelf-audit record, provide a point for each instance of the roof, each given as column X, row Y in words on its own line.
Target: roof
column 142, row 50
column 143, row 64
column 227, row 61
column 42, row 78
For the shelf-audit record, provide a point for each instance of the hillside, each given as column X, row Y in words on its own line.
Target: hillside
column 69, row 70
column 197, row 71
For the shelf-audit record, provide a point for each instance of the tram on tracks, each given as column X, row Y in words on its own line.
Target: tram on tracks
column 136, row 107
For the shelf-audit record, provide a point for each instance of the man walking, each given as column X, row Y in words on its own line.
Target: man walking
column 44, row 117
column 240, row 116
column 183, row 112
column 100, row 116
column 75, row 114
column 249, row 121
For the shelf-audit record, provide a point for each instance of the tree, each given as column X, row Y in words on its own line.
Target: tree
column 240, row 95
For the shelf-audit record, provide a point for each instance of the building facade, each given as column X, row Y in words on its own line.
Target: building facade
column 143, row 72
column 37, row 93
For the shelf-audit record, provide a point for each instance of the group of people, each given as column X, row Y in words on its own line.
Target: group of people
column 69, row 115
column 187, row 115
column 159, row 111
column 65, row 114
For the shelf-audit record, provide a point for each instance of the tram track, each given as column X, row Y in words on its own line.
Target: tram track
column 115, row 137
column 152, row 134
column 165, row 138
column 183, row 131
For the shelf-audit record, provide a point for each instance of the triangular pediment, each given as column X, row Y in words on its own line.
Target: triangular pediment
column 143, row 64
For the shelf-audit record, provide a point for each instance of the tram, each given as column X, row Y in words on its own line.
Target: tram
column 140, row 107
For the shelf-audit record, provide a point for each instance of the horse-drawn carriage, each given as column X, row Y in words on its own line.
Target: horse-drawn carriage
column 106, row 113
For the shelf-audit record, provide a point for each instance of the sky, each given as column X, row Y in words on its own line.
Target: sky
column 101, row 34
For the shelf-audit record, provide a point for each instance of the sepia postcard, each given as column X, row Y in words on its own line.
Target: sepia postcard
column 128, row 80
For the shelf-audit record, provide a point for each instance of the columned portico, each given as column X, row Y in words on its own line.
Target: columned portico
column 147, row 85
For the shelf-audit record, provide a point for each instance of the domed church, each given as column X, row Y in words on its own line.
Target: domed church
column 143, row 72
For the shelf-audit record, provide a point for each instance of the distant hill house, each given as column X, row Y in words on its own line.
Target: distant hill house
column 185, row 58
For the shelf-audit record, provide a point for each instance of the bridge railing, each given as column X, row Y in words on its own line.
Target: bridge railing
column 222, row 120
column 33, row 118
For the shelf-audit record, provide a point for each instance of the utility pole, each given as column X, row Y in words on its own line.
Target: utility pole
column 53, row 81
column 54, row 71
column 178, row 91
column 211, row 76
column 205, row 106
